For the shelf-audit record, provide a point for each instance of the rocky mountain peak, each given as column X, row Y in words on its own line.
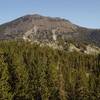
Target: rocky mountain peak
column 48, row 29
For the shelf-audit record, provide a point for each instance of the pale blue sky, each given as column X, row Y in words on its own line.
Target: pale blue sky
column 82, row 12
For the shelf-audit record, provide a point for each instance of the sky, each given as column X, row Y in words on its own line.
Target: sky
column 85, row 13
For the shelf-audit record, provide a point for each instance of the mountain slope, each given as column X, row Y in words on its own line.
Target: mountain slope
column 40, row 28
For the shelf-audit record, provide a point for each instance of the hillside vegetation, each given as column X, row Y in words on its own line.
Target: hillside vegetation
column 31, row 72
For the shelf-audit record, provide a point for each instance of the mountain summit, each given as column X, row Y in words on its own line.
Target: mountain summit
column 48, row 29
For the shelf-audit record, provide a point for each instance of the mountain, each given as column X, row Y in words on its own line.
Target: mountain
column 37, row 61
column 51, row 30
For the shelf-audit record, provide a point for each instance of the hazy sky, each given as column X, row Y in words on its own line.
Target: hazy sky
column 81, row 12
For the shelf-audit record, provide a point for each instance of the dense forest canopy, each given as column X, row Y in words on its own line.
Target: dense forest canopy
column 31, row 72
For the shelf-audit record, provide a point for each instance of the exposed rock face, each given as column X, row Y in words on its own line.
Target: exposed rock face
column 92, row 50
column 49, row 30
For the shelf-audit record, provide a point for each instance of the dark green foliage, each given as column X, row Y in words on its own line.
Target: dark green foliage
column 31, row 72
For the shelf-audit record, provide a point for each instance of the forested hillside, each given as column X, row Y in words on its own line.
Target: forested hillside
column 31, row 72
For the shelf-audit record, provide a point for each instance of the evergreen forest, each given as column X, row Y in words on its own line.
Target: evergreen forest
column 32, row 72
